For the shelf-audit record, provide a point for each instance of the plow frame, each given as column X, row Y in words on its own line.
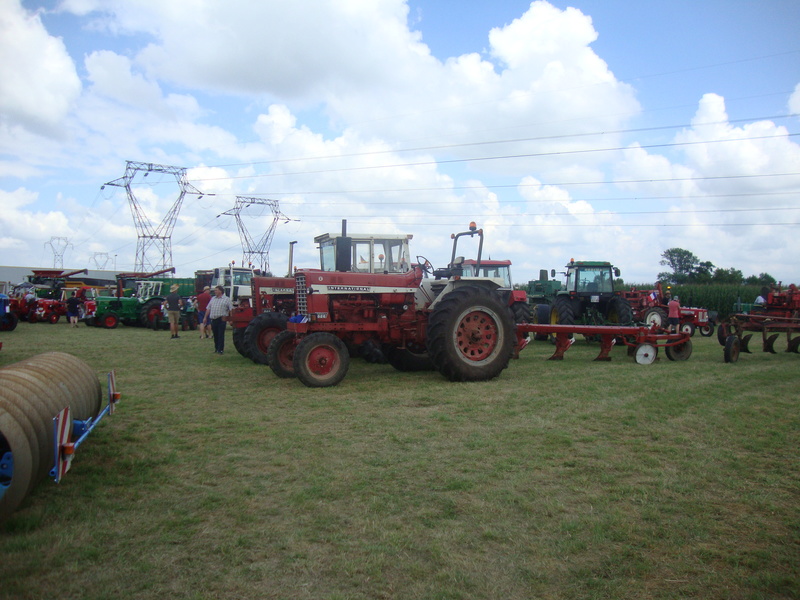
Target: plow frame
column 642, row 342
column 734, row 339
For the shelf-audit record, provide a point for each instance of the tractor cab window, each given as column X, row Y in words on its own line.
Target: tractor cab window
column 396, row 252
column 242, row 277
column 327, row 256
column 591, row 280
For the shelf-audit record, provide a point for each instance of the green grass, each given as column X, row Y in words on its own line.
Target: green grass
column 572, row 479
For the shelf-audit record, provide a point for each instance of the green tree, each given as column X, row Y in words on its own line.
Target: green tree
column 729, row 276
column 682, row 264
column 761, row 279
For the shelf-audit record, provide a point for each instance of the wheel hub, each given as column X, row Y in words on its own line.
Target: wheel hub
column 477, row 335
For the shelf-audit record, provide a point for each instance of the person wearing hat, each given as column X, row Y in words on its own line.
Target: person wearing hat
column 173, row 302
column 202, row 305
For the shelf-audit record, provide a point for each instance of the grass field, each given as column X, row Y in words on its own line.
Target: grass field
column 573, row 479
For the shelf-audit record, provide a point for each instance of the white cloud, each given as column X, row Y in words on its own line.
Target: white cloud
column 39, row 82
column 794, row 100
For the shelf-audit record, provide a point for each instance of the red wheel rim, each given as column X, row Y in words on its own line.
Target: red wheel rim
column 477, row 335
column 286, row 355
column 265, row 337
column 322, row 360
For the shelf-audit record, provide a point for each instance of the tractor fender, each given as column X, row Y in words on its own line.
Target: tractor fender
column 492, row 285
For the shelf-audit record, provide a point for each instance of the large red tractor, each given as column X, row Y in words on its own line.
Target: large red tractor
column 421, row 317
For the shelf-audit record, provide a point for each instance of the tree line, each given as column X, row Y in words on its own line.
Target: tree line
column 688, row 269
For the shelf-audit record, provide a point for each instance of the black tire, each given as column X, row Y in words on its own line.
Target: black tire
column 521, row 312
column 109, row 320
column 321, row 360
column 238, row 341
column 687, row 328
column 470, row 335
column 408, row 360
column 543, row 317
column 679, row 352
column 53, row 318
column 619, row 311
column 657, row 317
column 259, row 333
column 707, row 330
column 16, row 439
column 8, row 322
column 150, row 313
column 371, row 352
column 562, row 312
column 280, row 354
column 731, row 349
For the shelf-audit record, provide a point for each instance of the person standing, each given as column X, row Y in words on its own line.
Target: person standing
column 219, row 309
column 173, row 302
column 202, row 305
column 73, row 309
column 674, row 316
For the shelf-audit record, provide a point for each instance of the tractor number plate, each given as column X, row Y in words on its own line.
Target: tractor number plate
column 595, row 298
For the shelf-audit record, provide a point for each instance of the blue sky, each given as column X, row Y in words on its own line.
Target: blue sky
column 593, row 129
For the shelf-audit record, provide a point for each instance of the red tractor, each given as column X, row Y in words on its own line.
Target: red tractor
column 420, row 317
column 779, row 313
column 650, row 306
column 273, row 303
column 41, row 300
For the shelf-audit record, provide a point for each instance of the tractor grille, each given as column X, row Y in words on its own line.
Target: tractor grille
column 301, row 294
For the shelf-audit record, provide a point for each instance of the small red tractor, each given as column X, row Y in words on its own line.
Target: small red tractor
column 419, row 316
column 650, row 307
column 780, row 313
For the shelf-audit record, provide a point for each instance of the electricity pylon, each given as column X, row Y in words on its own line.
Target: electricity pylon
column 99, row 257
column 154, row 243
column 256, row 254
column 59, row 246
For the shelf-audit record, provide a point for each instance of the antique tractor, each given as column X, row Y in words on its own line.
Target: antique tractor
column 650, row 306
column 419, row 316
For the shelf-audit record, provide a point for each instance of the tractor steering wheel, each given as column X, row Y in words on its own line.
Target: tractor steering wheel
column 425, row 265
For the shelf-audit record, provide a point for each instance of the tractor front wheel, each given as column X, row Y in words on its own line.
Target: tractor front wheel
column 707, row 330
column 8, row 322
column 657, row 317
column 110, row 320
column 150, row 313
column 259, row 333
column 470, row 335
column 53, row 318
column 280, row 354
column 321, row 360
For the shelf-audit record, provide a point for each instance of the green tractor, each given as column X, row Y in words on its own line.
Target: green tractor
column 587, row 296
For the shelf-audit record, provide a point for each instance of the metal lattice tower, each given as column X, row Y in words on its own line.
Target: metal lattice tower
column 154, row 243
column 100, row 259
column 59, row 246
column 255, row 253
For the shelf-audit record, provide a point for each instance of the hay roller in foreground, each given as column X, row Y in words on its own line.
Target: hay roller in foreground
column 46, row 402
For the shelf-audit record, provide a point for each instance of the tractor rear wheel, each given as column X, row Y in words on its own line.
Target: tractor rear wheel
column 543, row 317
column 657, row 317
column 619, row 311
column 679, row 352
column 321, row 360
column 280, row 354
column 150, row 313
column 259, row 333
column 110, row 320
column 238, row 341
column 470, row 335
column 562, row 312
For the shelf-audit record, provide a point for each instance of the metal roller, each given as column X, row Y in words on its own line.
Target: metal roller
column 32, row 393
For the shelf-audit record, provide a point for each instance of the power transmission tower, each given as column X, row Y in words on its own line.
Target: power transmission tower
column 154, row 243
column 255, row 253
column 100, row 256
column 59, row 246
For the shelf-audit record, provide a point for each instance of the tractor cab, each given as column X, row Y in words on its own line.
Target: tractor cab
column 388, row 254
column 590, row 278
column 492, row 269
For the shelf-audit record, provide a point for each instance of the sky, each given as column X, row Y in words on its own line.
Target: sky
column 593, row 129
